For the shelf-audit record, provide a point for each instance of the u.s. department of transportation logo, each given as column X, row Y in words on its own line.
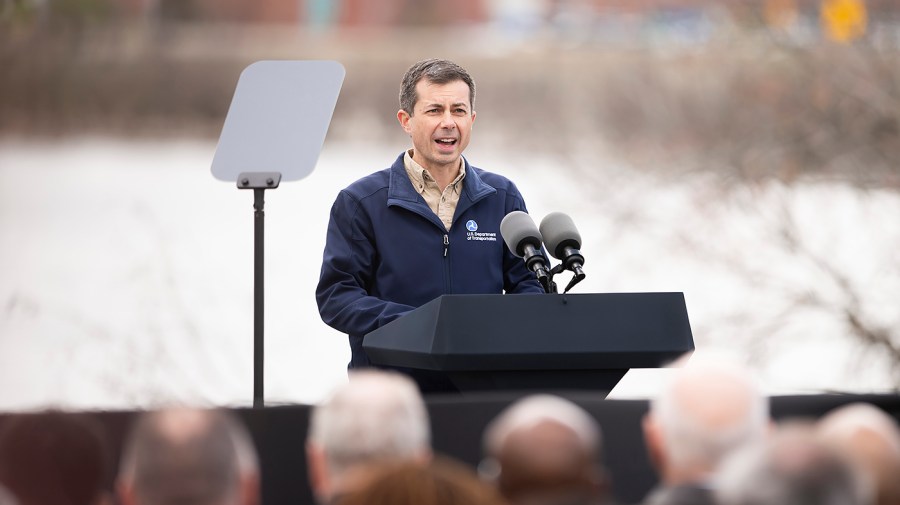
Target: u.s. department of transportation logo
column 479, row 236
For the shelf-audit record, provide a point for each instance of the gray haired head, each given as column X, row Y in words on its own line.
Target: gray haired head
column 794, row 468
column 187, row 457
column 710, row 407
column 376, row 416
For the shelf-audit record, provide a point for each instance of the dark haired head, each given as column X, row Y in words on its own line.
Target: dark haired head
column 443, row 482
column 54, row 458
column 434, row 71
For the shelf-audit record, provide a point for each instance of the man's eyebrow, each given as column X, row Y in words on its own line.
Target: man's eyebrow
column 441, row 106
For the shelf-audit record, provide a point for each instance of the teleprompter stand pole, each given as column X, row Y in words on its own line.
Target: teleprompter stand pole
column 259, row 182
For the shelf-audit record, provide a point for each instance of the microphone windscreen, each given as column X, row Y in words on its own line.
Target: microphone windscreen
column 559, row 232
column 519, row 230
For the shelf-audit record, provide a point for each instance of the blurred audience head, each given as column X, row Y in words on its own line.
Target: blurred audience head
column 545, row 449
column 441, row 482
column 6, row 497
column 376, row 416
column 794, row 467
column 871, row 440
column 52, row 458
column 189, row 457
column 709, row 407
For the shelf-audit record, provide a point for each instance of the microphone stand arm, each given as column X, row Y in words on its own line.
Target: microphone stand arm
column 573, row 260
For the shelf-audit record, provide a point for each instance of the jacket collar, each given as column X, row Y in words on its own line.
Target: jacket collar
column 401, row 189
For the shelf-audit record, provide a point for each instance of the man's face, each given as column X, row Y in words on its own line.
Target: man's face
column 440, row 124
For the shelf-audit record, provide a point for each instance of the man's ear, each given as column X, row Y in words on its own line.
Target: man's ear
column 403, row 118
column 250, row 489
column 424, row 457
column 104, row 498
column 601, row 482
column 125, row 493
column 317, row 471
column 654, row 442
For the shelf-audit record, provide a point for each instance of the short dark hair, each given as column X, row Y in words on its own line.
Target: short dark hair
column 54, row 457
column 435, row 71
column 443, row 481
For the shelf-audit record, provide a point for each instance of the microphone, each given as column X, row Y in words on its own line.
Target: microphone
column 524, row 240
column 563, row 243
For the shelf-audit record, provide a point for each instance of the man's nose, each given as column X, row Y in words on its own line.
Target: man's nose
column 447, row 121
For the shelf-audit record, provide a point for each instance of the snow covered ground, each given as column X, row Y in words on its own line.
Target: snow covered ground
column 127, row 274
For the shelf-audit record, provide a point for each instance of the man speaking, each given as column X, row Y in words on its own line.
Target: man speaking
column 429, row 225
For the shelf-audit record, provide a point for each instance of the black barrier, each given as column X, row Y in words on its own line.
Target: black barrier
column 457, row 423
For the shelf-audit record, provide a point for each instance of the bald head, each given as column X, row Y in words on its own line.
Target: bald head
column 543, row 446
column 710, row 407
column 187, row 457
column 871, row 440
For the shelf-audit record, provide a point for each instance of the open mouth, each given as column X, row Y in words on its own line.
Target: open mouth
column 446, row 142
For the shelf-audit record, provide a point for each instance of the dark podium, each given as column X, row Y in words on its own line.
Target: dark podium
column 552, row 342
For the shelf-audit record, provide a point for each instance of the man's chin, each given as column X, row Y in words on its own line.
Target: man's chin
column 446, row 156
column 443, row 161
